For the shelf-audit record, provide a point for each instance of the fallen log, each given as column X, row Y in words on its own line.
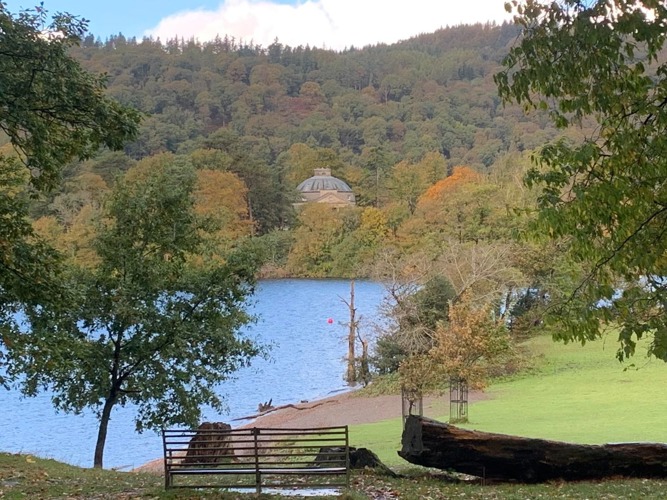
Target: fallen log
column 500, row 457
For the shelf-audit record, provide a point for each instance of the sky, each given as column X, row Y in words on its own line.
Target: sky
column 332, row 24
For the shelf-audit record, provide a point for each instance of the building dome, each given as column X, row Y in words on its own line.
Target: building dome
column 323, row 181
column 324, row 188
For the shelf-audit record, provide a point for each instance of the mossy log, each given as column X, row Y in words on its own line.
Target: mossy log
column 500, row 457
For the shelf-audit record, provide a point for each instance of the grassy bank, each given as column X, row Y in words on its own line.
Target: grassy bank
column 574, row 393
column 580, row 394
column 27, row 477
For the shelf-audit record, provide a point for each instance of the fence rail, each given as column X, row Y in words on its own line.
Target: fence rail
column 257, row 458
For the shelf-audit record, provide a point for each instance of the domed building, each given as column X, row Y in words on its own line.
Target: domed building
column 324, row 188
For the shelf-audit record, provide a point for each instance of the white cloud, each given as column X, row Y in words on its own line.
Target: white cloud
column 332, row 24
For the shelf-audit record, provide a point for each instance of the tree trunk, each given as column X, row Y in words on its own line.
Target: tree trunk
column 499, row 457
column 351, row 376
column 364, row 368
column 102, row 433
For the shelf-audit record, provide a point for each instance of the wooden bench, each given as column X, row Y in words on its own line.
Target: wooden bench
column 257, row 457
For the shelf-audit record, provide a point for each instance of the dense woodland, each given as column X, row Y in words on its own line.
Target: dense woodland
column 415, row 128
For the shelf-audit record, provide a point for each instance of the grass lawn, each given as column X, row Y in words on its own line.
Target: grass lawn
column 575, row 393
column 580, row 394
column 31, row 478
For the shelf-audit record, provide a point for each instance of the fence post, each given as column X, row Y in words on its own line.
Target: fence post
column 167, row 461
column 347, row 457
column 258, row 475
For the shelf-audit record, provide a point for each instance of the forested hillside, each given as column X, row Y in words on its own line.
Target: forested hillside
column 392, row 121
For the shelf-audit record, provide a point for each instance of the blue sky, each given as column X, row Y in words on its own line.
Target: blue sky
column 321, row 23
column 109, row 17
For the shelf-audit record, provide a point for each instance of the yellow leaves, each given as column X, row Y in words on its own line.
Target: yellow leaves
column 222, row 198
column 300, row 162
column 78, row 240
column 470, row 339
column 47, row 228
column 75, row 241
column 93, row 184
column 142, row 170
column 208, row 159
column 14, row 177
column 373, row 225
column 319, row 229
column 419, row 374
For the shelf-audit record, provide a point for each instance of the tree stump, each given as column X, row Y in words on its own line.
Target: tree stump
column 211, row 445
column 360, row 458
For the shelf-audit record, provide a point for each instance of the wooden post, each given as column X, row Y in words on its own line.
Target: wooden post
column 258, row 475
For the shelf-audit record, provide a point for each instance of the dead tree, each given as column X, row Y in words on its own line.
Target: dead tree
column 500, row 457
column 351, row 375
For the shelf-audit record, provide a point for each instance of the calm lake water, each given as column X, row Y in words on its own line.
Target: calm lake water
column 306, row 362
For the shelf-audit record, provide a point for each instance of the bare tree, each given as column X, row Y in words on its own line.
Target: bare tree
column 485, row 269
column 351, row 375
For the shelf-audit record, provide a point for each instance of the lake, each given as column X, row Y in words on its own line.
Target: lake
column 306, row 362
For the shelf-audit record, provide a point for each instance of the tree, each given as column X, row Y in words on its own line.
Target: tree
column 319, row 232
column 408, row 182
column 52, row 112
column 466, row 346
column 353, row 327
column 147, row 326
column 221, row 196
column 28, row 265
column 269, row 202
column 601, row 63
column 416, row 301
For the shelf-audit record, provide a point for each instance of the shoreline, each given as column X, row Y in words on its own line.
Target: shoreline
column 346, row 408
column 303, row 405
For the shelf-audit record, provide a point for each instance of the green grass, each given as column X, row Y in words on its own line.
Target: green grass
column 424, row 485
column 27, row 477
column 574, row 393
column 580, row 394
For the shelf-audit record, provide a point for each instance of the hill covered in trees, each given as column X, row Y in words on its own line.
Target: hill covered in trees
column 415, row 128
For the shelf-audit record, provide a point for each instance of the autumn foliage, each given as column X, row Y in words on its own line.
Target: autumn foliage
column 470, row 342
column 460, row 176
